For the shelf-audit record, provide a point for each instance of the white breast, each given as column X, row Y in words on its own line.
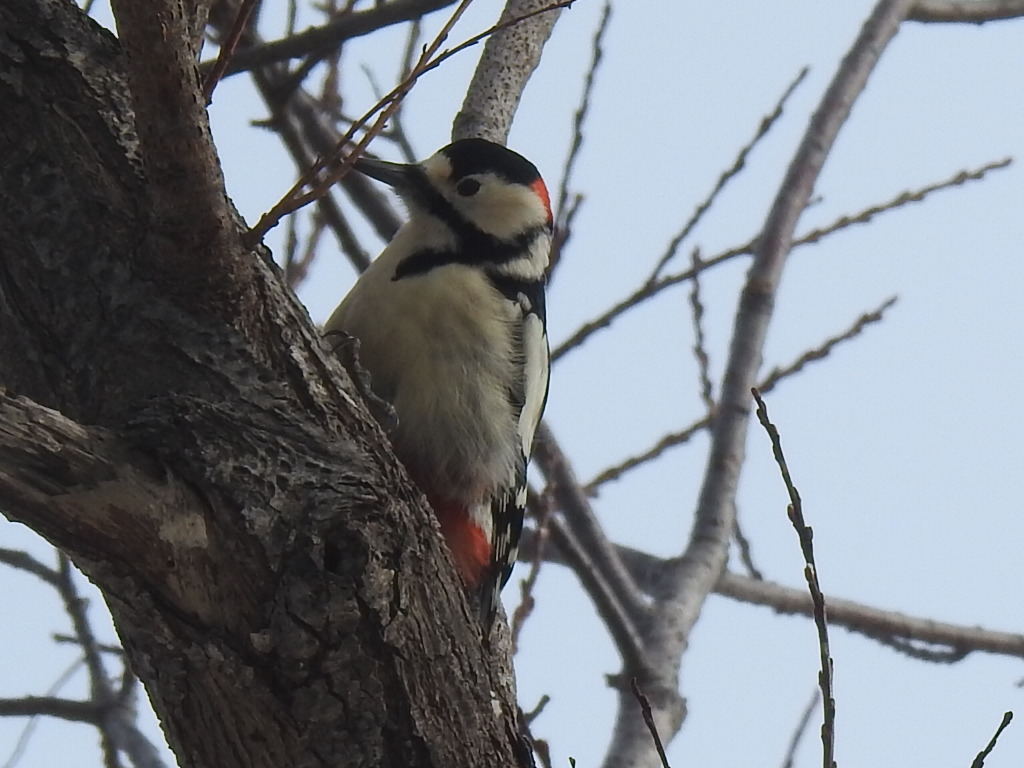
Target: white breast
column 439, row 347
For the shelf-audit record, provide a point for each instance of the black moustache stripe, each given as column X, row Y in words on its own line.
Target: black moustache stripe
column 473, row 250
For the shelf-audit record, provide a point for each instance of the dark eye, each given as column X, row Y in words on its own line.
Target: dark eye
column 468, row 187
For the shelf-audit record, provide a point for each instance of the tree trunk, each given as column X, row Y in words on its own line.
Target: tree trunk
column 172, row 422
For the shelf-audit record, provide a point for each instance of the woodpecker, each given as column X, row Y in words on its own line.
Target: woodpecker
column 450, row 320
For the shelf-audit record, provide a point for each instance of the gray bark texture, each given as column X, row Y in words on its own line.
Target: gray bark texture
column 169, row 418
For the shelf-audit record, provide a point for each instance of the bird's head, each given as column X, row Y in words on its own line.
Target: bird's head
column 474, row 186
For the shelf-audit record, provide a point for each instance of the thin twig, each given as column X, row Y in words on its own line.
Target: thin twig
column 801, row 729
column 100, row 692
column 395, row 132
column 535, row 712
column 228, row 48
column 806, row 535
column 296, row 269
column 580, row 116
column 622, row 627
column 746, row 553
column 115, row 650
column 774, row 377
column 580, row 518
column 337, row 164
column 915, row 650
column 699, row 348
column 652, row 289
column 534, row 747
column 291, row 18
column 738, row 165
column 330, row 91
column 904, row 198
column 641, row 294
column 562, row 234
column 645, row 709
column 23, row 561
column 979, row 761
column 291, row 248
column 648, row 572
column 825, row 348
column 295, row 198
column 30, row 726
column 398, row 128
column 316, row 43
column 565, row 210
column 542, row 509
column 670, row 440
column 297, row 123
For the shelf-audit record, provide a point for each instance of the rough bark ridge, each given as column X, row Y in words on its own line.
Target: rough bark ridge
column 171, row 421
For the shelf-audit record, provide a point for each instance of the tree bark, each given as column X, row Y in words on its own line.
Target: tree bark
column 172, row 422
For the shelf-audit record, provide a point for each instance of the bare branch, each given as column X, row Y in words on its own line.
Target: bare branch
column 594, row 559
column 79, row 464
column 329, row 168
column 870, row 621
column 641, row 294
column 395, row 131
column 579, row 516
column 623, row 627
column 699, row 347
column 228, row 48
column 694, row 576
column 652, row 289
column 565, row 211
column 50, row 706
column 23, row 561
column 319, row 42
column 877, row 624
column 645, row 708
column 29, row 729
column 541, row 508
column 910, row 196
column 713, row 526
column 800, row 730
column 195, row 247
column 562, row 234
column 115, row 710
column 824, row 349
column 582, row 111
column 116, row 650
column 979, row 761
column 971, row 12
column 746, row 553
column 728, row 175
column 774, row 377
column 796, row 516
column 317, row 180
column 509, row 59
column 296, row 267
column 300, row 122
column 670, row 440
column 100, row 692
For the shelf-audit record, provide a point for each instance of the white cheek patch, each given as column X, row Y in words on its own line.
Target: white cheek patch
column 505, row 210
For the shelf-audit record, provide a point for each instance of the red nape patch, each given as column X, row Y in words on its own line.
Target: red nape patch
column 542, row 192
column 469, row 546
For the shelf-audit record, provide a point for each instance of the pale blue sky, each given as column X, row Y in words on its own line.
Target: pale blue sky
column 906, row 444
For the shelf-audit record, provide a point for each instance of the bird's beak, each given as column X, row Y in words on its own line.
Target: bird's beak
column 396, row 175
